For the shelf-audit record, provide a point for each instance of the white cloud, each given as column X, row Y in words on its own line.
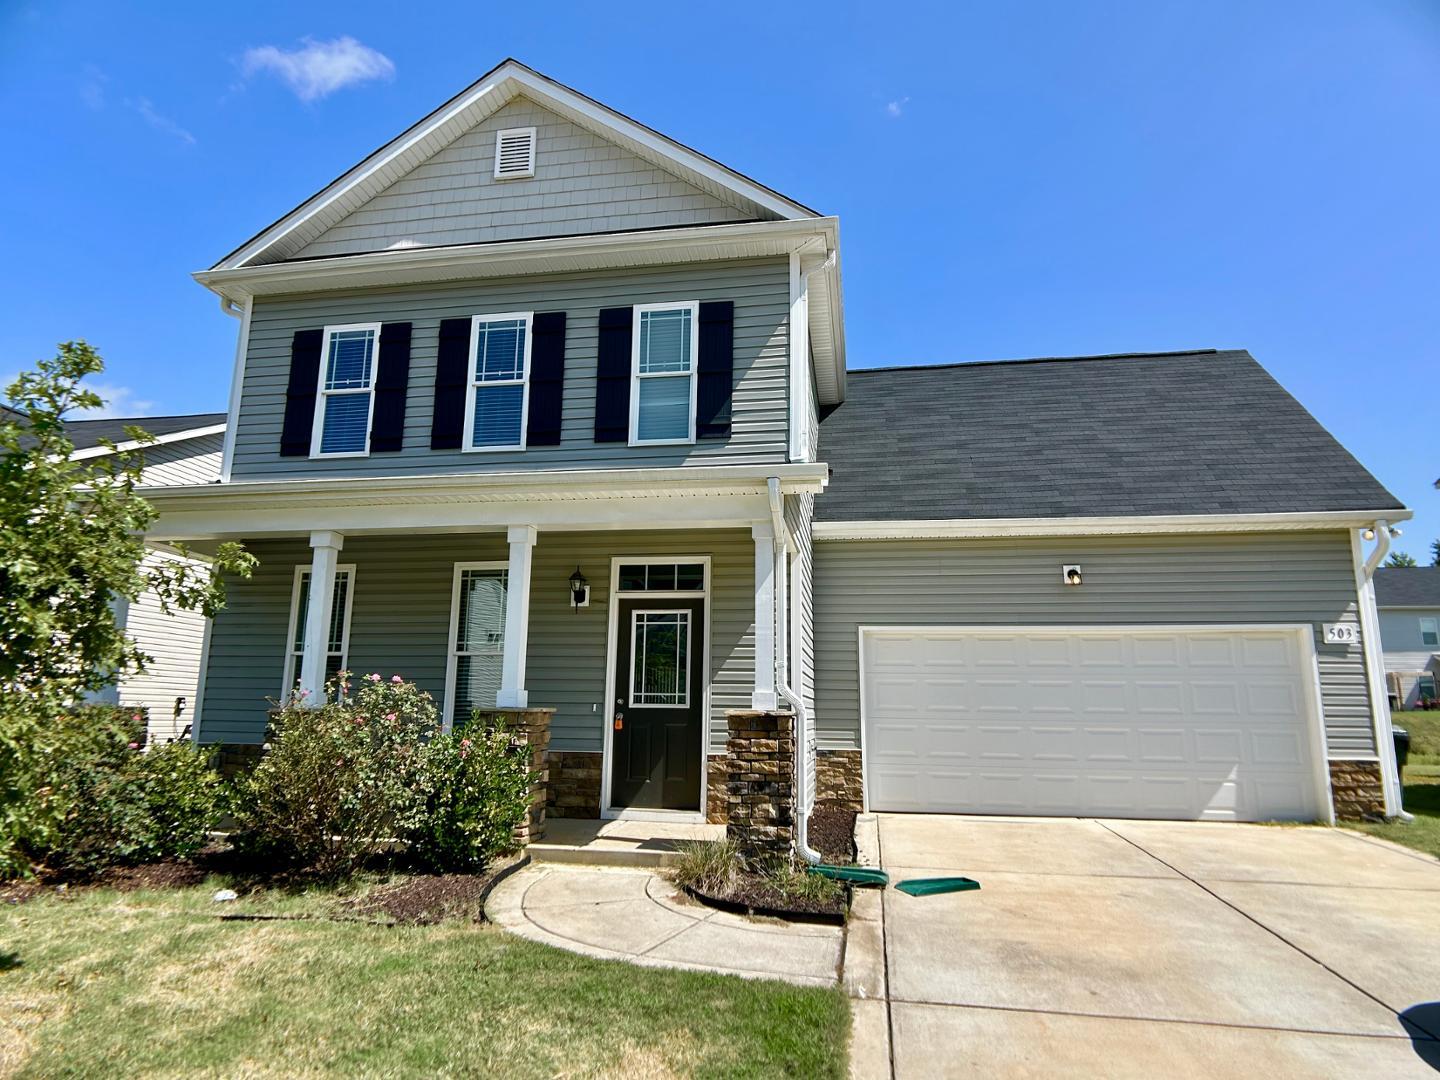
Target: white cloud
column 896, row 107
column 319, row 68
column 164, row 124
column 92, row 87
column 119, row 401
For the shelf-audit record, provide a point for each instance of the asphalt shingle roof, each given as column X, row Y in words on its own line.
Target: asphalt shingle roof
column 87, row 433
column 1407, row 586
column 1206, row 432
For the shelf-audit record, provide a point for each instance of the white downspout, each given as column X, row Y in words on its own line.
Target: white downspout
column 1374, row 670
column 782, row 674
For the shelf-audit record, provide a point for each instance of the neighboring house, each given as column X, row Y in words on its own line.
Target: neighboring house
column 527, row 407
column 186, row 451
column 1409, row 601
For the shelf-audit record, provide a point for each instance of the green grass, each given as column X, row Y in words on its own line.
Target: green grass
column 112, row 984
column 1424, row 729
column 1423, row 834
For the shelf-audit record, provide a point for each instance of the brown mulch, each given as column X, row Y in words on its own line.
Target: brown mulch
column 171, row 874
column 757, row 895
column 431, row 898
column 832, row 833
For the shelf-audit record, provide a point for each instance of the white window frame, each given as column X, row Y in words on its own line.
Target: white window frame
column 451, row 655
column 473, row 383
column 317, row 425
column 530, row 168
column 689, row 620
column 1431, row 626
column 693, row 306
column 292, row 658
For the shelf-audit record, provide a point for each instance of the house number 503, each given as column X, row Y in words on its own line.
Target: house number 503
column 1341, row 634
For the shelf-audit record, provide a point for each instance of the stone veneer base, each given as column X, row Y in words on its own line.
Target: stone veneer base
column 759, row 780
column 575, row 783
column 1357, row 789
column 839, row 783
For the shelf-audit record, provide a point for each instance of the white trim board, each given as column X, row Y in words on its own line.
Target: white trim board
column 612, row 618
column 968, row 528
column 1309, row 658
column 159, row 440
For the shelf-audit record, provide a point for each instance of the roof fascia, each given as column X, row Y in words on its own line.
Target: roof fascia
column 142, row 444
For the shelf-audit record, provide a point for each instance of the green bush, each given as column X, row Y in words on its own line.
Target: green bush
column 352, row 778
column 108, row 802
column 473, row 791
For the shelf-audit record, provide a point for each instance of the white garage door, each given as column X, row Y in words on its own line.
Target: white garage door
column 1155, row 723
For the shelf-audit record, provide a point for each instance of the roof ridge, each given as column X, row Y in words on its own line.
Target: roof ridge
column 1050, row 360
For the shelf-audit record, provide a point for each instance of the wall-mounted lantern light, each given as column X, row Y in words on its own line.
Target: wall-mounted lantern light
column 1070, row 574
column 579, row 590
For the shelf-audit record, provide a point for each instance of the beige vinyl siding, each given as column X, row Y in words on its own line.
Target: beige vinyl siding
column 1242, row 578
column 187, row 461
column 174, row 642
column 400, row 623
column 759, row 289
column 582, row 184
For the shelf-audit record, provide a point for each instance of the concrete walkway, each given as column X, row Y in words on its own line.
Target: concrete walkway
column 638, row 916
column 1129, row 948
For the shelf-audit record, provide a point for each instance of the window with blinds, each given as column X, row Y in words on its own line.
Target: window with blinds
column 499, row 382
column 477, row 635
column 337, row 647
column 344, row 404
column 663, row 371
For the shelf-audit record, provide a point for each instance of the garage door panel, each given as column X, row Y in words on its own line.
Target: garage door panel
column 1165, row 724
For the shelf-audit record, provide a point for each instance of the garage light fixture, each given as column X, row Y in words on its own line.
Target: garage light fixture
column 1070, row 574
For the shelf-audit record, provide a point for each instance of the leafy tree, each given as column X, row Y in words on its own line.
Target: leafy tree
column 1435, row 552
column 1400, row 558
column 70, row 543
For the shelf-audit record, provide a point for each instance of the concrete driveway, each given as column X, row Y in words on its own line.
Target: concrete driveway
column 1143, row 949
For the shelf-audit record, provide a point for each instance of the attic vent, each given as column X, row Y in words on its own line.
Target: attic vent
column 514, row 153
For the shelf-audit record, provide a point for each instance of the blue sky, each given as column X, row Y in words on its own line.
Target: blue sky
column 1013, row 179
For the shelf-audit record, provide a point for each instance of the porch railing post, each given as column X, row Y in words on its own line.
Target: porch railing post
column 513, row 694
column 324, row 557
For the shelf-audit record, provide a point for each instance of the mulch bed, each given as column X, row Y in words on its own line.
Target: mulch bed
column 432, row 898
column 832, row 833
column 756, row 895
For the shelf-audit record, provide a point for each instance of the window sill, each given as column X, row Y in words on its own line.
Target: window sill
column 491, row 449
column 661, row 442
column 344, row 454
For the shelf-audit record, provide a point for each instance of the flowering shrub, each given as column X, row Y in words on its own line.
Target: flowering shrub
column 108, row 802
column 474, row 791
column 349, row 778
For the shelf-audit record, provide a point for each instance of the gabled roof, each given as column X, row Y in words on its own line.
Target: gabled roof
column 493, row 90
column 1407, row 586
column 1192, row 433
column 86, row 434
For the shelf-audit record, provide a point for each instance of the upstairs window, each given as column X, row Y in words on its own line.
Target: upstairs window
column 345, row 403
column 337, row 647
column 514, row 153
column 495, row 412
column 1430, row 631
column 663, row 362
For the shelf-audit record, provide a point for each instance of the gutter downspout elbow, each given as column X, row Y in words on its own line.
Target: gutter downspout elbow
column 782, row 682
column 229, row 307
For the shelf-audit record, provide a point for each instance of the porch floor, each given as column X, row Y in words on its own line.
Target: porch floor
column 593, row 842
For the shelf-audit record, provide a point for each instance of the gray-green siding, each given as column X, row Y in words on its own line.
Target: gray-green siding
column 400, row 620
column 582, row 184
column 1253, row 578
column 759, row 289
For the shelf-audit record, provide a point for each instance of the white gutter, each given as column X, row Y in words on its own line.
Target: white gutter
column 1374, row 663
column 782, row 675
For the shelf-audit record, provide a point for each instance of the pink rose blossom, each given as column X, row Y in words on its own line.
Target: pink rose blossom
column 390, row 716
column 374, row 676
column 134, row 746
column 396, row 679
column 137, row 717
column 465, row 743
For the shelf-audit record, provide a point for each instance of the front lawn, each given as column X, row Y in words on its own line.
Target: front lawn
column 1424, row 729
column 1421, row 799
column 155, row 983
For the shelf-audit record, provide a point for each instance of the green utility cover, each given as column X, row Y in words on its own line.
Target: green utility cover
column 856, row 875
column 930, row 886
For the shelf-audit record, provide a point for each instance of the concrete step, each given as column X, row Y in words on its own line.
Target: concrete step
column 641, row 844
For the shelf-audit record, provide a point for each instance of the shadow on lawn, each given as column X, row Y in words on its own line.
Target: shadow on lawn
column 9, row 961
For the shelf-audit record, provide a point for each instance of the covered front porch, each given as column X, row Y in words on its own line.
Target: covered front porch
column 673, row 625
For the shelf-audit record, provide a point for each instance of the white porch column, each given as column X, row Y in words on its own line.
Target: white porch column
column 513, row 694
column 764, row 694
column 324, row 555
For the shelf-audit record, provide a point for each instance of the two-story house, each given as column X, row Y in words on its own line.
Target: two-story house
column 1408, row 599
column 545, row 410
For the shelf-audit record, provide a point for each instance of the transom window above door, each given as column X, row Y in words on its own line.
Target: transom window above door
column 495, row 411
column 663, row 364
column 662, row 577
column 343, row 406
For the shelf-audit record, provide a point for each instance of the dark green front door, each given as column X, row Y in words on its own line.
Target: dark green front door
column 658, row 704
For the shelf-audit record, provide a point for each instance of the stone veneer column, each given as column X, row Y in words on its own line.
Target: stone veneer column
column 575, row 784
column 760, row 780
column 838, row 781
column 1357, row 789
column 531, row 727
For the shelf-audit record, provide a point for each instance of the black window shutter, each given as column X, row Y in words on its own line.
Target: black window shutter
column 387, row 428
column 612, row 376
column 452, row 363
column 547, row 378
column 717, row 370
column 300, row 394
